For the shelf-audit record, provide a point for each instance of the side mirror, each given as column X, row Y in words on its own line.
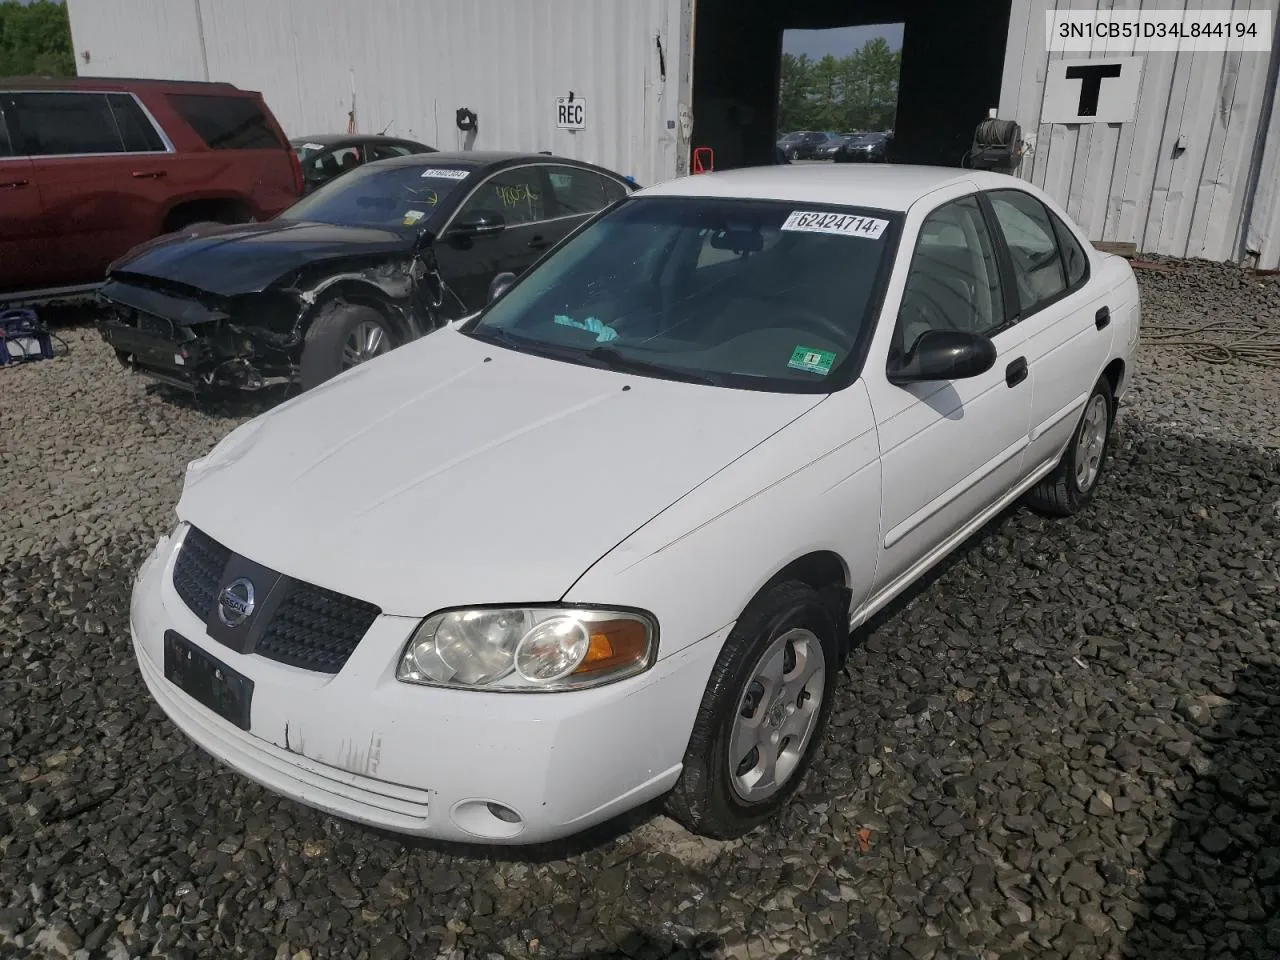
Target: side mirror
column 500, row 284
column 479, row 223
column 944, row 355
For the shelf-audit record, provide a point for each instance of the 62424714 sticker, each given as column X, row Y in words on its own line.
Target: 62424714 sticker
column 841, row 224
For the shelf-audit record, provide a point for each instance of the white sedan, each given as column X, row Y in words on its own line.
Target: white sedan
column 606, row 541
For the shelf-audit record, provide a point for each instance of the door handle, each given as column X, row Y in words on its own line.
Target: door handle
column 1102, row 317
column 1016, row 372
column 537, row 243
column 14, row 184
column 150, row 174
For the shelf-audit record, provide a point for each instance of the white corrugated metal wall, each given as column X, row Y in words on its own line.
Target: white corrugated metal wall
column 406, row 66
column 1126, row 182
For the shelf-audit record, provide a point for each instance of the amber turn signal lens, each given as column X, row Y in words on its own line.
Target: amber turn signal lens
column 614, row 644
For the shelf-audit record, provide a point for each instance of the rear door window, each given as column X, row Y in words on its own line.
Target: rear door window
column 6, row 148
column 136, row 129
column 580, row 191
column 519, row 195
column 49, row 124
column 385, row 151
column 1028, row 233
column 227, row 123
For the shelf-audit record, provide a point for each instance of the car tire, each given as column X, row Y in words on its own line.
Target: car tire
column 327, row 349
column 1074, row 480
column 787, row 628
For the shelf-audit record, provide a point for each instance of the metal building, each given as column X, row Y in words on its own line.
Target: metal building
column 1194, row 173
column 407, row 66
column 1189, row 167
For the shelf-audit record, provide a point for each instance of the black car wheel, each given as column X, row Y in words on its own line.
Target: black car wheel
column 762, row 716
column 342, row 336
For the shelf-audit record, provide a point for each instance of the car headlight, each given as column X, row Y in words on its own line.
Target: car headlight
column 528, row 648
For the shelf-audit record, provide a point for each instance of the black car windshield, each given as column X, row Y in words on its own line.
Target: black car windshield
column 382, row 194
column 756, row 294
column 306, row 149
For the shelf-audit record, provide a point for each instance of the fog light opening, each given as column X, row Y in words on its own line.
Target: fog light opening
column 505, row 814
column 487, row 819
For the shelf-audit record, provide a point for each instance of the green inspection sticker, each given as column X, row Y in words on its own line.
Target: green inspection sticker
column 814, row 361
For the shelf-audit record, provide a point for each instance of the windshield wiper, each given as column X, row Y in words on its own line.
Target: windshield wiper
column 614, row 359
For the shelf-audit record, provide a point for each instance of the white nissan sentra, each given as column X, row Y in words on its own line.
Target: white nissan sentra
column 606, row 540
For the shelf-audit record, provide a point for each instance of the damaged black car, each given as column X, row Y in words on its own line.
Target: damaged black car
column 388, row 253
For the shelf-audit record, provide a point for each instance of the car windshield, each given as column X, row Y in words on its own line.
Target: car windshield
column 755, row 294
column 306, row 149
column 380, row 194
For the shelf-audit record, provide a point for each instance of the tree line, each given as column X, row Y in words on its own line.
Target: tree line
column 856, row 92
column 35, row 39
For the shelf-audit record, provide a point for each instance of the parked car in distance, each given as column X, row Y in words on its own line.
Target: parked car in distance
column 381, row 256
column 326, row 156
column 605, row 541
column 804, row 144
column 827, row 151
column 865, row 148
column 90, row 168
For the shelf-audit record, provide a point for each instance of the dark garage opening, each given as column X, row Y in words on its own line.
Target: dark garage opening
column 952, row 59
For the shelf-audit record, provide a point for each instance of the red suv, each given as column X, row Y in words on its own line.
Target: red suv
column 89, row 168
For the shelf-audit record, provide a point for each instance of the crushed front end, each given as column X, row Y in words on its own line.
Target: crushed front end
column 195, row 341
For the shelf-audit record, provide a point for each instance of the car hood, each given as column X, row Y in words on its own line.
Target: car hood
column 248, row 257
column 450, row 472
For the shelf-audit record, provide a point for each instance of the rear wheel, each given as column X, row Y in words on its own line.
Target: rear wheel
column 762, row 715
column 342, row 336
column 1072, row 484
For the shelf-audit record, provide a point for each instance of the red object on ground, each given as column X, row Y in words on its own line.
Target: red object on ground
column 704, row 160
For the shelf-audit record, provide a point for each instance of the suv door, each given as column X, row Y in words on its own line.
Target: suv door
column 521, row 196
column 24, row 238
column 950, row 450
column 100, row 166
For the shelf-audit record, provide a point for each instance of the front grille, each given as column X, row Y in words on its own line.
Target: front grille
column 312, row 628
column 198, row 571
column 315, row 628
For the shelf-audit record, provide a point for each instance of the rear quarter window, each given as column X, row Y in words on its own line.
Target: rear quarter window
column 227, row 123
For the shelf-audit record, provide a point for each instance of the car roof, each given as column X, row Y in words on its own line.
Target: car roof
column 112, row 84
column 878, row 185
column 330, row 139
column 488, row 158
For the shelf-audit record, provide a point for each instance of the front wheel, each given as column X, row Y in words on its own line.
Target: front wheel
column 762, row 715
column 342, row 336
column 1072, row 484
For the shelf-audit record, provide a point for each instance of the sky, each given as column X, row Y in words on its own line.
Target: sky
column 839, row 42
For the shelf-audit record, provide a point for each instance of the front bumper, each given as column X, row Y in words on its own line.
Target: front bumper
column 424, row 761
column 195, row 355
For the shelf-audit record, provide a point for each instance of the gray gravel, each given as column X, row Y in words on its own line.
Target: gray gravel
column 1067, row 744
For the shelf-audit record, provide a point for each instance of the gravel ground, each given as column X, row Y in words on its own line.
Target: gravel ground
column 1067, row 744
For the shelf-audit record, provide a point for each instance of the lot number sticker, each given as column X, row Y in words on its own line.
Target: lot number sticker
column 444, row 173
column 841, row 224
column 812, row 361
